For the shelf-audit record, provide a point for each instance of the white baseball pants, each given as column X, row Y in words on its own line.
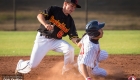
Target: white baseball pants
column 42, row 45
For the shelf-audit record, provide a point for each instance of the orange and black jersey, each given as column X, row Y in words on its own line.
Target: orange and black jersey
column 64, row 25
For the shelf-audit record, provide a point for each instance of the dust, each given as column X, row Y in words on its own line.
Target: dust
column 55, row 73
column 113, row 72
column 117, row 66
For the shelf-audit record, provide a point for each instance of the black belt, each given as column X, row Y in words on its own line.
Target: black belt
column 46, row 36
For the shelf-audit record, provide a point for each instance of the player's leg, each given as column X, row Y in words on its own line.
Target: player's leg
column 85, row 71
column 88, row 59
column 103, row 55
column 64, row 47
column 39, row 51
column 97, row 71
column 82, row 68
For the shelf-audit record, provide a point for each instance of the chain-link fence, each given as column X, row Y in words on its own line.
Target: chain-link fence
column 118, row 15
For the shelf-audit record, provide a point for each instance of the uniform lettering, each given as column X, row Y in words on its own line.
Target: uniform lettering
column 58, row 24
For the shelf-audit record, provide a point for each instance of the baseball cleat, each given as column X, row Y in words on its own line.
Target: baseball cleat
column 16, row 71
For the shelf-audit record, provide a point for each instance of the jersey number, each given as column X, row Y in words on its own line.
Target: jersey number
column 60, row 34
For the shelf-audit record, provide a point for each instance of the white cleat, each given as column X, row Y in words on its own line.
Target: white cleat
column 17, row 69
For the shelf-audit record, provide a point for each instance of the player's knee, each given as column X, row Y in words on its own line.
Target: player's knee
column 69, row 49
column 103, row 55
column 103, row 74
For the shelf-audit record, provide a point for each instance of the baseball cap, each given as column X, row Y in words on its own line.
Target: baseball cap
column 94, row 25
column 75, row 2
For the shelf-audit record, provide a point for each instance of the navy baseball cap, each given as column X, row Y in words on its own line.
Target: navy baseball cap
column 75, row 2
column 94, row 25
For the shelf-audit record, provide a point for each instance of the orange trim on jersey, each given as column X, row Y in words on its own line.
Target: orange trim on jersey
column 62, row 26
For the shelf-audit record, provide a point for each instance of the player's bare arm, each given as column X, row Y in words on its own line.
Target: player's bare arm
column 84, row 71
column 79, row 44
column 42, row 20
column 74, row 40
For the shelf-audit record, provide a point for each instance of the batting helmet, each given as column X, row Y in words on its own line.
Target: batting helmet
column 92, row 28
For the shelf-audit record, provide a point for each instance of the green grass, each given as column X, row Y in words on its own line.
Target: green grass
column 20, row 43
column 121, row 42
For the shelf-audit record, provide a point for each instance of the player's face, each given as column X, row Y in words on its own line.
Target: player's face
column 101, row 33
column 69, row 7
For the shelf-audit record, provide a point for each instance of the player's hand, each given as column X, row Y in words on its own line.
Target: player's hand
column 78, row 40
column 49, row 27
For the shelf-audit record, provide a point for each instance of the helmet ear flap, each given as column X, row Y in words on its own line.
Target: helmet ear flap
column 93, row 33
column 96, row 33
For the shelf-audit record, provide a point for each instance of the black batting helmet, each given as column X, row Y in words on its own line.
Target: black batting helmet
column 92, row 28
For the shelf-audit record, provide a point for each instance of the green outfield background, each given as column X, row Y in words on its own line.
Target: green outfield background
column 121, row 35
column 20, row 43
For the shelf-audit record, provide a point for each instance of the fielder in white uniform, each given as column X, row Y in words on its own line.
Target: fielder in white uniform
column 90, row 54
column 56, row 22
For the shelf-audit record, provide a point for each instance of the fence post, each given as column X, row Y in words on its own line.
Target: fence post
column 86, row 10
column 14, row 10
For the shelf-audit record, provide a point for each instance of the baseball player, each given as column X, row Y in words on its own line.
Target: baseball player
column 90, row 54
column 56, row 22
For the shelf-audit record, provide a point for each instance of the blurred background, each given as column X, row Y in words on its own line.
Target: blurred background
column 20, row 15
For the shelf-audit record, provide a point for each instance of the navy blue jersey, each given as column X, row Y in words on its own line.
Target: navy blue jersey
column 64, row 24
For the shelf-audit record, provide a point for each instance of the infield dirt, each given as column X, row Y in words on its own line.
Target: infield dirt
column 119, row 67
